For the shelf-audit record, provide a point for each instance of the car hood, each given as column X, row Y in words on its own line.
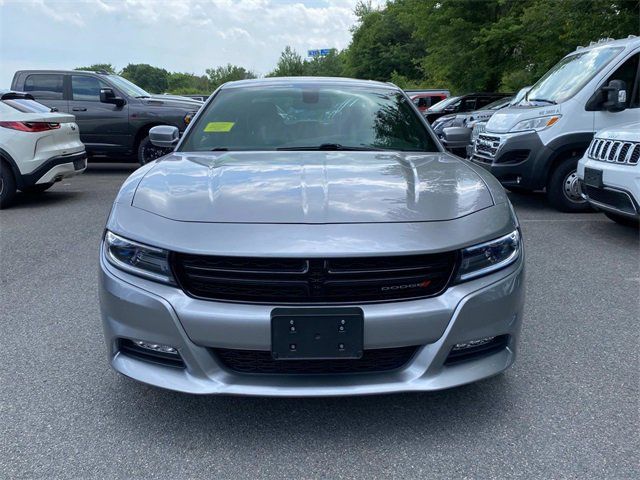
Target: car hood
column 504, row 120
column 625, row 132
column 169, row 101
column 311, row 187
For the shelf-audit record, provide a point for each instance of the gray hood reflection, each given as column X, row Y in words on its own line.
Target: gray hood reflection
column 313, row 187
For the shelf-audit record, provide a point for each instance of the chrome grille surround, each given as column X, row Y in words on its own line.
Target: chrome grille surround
column 614, row 151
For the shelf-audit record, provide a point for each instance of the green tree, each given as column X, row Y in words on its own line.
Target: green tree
column 383, row 43
column 187, row 83
column 96, row 67
column 229, row 73
column 289, row 64
column 331, row 65
column 152, row 79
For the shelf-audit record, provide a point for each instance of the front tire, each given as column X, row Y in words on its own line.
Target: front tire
column 563, row 190
column 623, row 220
column 148, row 152
column 7, row 185
column 39, row 188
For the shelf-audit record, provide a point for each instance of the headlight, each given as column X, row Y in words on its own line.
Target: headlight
column 136, row 258
column 490, row 256
column 536, row 124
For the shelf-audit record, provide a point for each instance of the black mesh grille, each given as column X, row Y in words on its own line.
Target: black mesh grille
column 336, row 280
column 261, row 362
column 633, row 159
column 612, row 198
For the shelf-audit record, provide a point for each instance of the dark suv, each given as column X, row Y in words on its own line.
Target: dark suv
column 464, row 103
column 114, row 115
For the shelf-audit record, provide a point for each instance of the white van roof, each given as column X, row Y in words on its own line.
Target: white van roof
column 631, row 41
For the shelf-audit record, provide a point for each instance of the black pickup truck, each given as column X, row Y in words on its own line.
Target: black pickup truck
column 114, row 115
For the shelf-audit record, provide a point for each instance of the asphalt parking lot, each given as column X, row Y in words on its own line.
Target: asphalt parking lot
column 567, row 409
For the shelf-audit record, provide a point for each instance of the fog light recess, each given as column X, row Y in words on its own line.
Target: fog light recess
column 474, row 349
column 158, row 353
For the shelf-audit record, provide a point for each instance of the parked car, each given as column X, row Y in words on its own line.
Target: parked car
column 609, row 173
column 423, row 99
column 464, row 103
column 38, row 147
column 325, row 244
column 455, row 130
column 537, row 144
column 114, row 115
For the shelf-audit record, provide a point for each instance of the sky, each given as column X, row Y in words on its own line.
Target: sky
column 178, row 35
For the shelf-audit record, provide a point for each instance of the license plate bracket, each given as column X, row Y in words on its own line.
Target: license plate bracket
column 593, row 177
column 317, row 333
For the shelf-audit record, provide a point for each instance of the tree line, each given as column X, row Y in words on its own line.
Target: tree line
column 463, row 45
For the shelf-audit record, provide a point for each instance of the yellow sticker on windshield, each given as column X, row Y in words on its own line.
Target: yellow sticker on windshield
column 213, row 127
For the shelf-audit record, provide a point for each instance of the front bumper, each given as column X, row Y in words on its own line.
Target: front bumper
column 620, row 192
column 519, row 159
column 135, row 308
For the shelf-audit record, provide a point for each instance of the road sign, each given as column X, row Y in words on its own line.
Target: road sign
column 322, row 52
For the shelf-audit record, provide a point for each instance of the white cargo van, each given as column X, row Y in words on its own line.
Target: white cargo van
column 536, row 144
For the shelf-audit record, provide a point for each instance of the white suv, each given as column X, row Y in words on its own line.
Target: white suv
column 37, row 146
column 610, row 173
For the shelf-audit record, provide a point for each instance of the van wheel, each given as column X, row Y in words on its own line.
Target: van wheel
column 39, row 188
column 148, row 152
column 563, row 190
column 623, row 220
column 7, row 185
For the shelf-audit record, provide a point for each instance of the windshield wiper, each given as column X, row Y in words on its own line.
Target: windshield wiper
column 220, row 149
column 330, row 147
column 552, row 102
column 143, row 96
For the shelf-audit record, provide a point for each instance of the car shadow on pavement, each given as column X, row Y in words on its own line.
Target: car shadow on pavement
column 251, row 421
column 110, row 168
column 44, row 199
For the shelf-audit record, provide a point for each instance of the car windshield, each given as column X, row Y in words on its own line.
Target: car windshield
column 308, row 118
column 128, row 87
column 570, row 75
column 442, row 104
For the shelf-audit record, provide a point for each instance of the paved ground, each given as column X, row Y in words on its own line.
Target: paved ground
column 568, row 408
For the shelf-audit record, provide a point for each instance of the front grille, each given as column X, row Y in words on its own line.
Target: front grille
column 316, row 280
column 261, row 362
column 487, row 145
column 612, row 198
column 614, row 151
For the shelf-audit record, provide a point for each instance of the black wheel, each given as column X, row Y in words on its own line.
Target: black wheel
column 623, row 220
column 563, row 190
column 148, row 152
column 39, row 188
column 7, row 185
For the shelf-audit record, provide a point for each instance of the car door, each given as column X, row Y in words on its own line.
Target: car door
column 104, row 127
column 629, row 73
column 48, row 88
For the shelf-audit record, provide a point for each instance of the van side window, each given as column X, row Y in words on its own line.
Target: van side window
column 628, row 73
column 86, row 88
column 45, row 86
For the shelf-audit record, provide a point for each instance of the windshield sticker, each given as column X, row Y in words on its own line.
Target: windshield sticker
column 216, row 127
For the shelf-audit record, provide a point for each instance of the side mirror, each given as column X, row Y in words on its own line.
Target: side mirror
column 164, row 136
column 616, row 96
column 456, row 137
column 107, row 95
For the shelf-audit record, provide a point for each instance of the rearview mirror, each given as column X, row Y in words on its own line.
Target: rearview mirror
column 616, row 96
column 164, row 136
column 107, row 95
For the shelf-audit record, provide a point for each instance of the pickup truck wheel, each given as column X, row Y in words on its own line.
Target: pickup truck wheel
column 39, row 188
column 7, row 185
column 623, row 220
column 563, row 190
column 148, row 152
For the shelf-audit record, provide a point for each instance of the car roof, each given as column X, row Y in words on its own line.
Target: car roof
column 288, row 81
column 63, row 71
column 631, row 41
